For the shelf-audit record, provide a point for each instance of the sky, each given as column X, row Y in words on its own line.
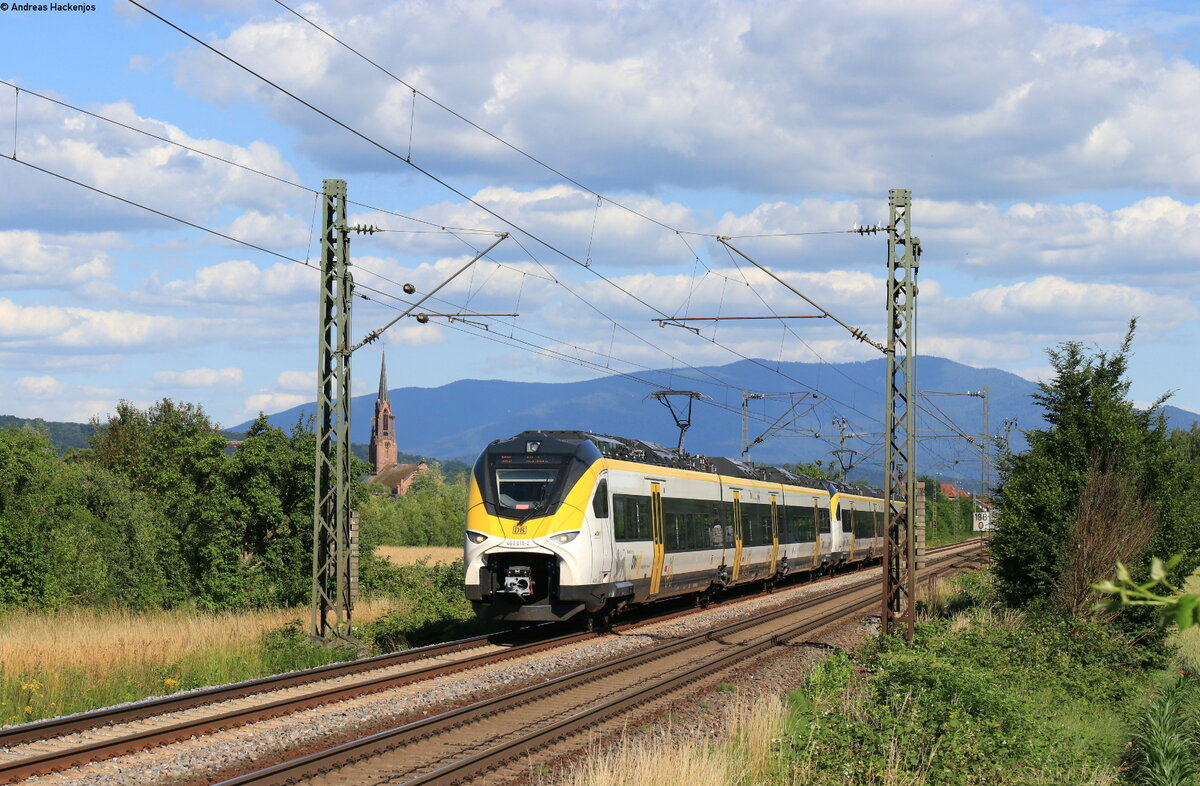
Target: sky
column 1052, row 150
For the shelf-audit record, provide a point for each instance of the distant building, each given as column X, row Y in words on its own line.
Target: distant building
column 953, row 492
column 399, row 477
column 382, row 449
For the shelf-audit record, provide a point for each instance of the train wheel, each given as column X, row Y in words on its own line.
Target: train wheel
column 599, row 620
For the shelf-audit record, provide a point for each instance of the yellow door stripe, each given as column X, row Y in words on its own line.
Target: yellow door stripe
column 656, row 527
column 774, row 533
column 737, row 534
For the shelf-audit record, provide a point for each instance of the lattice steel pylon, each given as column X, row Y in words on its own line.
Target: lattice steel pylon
column 900, row 447
column 333, row 579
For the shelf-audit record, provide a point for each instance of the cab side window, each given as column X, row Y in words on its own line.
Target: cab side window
column 600, row 501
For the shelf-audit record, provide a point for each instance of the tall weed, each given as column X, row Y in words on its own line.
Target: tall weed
column 1166, row 738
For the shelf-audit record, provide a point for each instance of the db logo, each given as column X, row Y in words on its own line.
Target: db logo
column 519, row 529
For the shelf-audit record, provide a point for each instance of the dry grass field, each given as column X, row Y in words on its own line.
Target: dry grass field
column 747, row 753
column 408, row 555
column 60, row 662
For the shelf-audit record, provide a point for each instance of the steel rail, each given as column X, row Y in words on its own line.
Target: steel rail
column 487, row 760
column 57, row 727
column 380, row 743
column 107, row 748
column 45, row 763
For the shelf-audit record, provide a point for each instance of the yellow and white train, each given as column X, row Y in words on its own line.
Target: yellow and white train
column 567, row 522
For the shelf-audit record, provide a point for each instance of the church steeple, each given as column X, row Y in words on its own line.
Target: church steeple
column 382, row 449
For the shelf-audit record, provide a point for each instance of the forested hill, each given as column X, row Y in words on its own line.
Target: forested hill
column 457, row 420
column 62, row 435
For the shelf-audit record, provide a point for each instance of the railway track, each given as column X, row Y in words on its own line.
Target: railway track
column 54, row 745
column 46, row 746
column 466, row 743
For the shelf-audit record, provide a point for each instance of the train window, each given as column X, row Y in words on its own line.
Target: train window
column 631, row 517
column 762, row 525
column 866, row 525
column 848, row 520
column 823, row 520
column 800, row 524
column 600, row 501
column 524, row 489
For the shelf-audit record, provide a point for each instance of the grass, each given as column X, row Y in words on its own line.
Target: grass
column 748, row 755
column 1165, row 737
column 410, row 555
column 57, row 663
column 985, row 695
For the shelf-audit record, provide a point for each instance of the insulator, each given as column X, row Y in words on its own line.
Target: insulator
column 422, row 318
column 409, row 289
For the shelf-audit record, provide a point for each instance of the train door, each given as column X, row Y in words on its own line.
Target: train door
column 602, row 533
column 816, row 554
column 774, row 532
column 737, row 534
column 656, row 529
column 851, row 516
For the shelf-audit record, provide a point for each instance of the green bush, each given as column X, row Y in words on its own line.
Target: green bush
column 289, row 648
column 431, row 605
column 432, row 513
column 985, row 698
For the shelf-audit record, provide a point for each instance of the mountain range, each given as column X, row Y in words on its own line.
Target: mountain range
column 457, row 420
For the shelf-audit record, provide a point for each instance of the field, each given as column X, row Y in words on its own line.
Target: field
column 410, row 555
column 1189, row 640
column 62, row 662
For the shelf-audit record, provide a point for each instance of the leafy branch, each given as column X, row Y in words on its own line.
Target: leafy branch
column 1183, row 609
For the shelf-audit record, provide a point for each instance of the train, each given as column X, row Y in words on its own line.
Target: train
column 564, row 523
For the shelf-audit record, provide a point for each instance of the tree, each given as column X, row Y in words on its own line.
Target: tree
column 432, row 513
column 73, row 532
column 1090, row 420
column 821, row 470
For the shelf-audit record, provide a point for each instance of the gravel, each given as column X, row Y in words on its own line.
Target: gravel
column 202, row 760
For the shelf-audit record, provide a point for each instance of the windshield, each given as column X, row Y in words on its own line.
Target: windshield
column 524, row 489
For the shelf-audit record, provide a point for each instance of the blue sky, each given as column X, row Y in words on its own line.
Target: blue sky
column 1052, row 152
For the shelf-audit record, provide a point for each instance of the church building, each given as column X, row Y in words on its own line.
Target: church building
column 382, row 450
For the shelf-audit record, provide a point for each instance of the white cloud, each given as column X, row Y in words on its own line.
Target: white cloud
column 944, row 98
column 1054, row 303
column 32, row 260
column 40, row 387
column 238, row 282
column 133, row 166
column 272, row 231
column 272, row 402
column 25, row 327
column 297, row 380
column 1155, row 237
column 200, row 377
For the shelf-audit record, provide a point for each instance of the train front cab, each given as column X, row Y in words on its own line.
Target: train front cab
column 539, row 531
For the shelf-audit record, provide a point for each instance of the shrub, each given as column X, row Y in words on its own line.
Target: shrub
column 431, row 605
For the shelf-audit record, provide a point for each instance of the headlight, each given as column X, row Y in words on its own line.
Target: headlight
column 476, row 537
column 565, row 537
